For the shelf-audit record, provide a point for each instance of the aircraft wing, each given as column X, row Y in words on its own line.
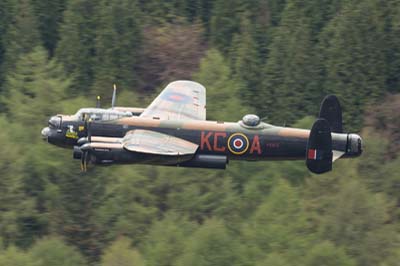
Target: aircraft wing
column 152, row 142
column 180, row 100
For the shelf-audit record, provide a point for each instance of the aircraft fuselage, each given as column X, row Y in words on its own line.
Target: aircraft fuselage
column 232, row 140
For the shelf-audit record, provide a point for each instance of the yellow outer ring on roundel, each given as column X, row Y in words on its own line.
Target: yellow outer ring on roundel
column 240, row 152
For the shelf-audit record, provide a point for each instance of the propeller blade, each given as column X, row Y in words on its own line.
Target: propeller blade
column 83, row 161
column 114, row 96
column 89, row 131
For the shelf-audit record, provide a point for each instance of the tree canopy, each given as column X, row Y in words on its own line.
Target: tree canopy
column 277, row 59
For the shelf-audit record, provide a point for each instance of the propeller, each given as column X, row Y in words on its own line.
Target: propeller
column 84, row 161
column 114, row 97
column 85, row 148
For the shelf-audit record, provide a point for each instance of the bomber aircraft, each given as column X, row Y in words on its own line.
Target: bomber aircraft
column 173, row 131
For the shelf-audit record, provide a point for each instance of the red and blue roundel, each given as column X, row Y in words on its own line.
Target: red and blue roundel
column 238, row 143
column 176, row 97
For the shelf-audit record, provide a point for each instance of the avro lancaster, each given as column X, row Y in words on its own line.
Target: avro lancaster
column 173, row 131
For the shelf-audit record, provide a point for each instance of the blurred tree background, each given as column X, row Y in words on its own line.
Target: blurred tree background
column 277, row 58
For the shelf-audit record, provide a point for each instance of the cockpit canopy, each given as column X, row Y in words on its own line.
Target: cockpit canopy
column 99, row 114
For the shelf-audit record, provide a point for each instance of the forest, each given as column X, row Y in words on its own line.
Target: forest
column 275, row 58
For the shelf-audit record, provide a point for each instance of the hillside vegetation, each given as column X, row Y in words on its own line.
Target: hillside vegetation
column 275, row 58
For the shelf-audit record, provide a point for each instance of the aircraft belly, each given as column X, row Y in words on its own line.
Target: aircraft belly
column 122, row 156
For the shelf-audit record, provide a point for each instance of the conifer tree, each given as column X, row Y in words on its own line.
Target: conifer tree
column 73, row 209
column 291, row 75
column 76, row 48
column 165, row 242
column 357, row 220
column 222, row 92
column 327, row 254
column 34, row 90
column 120, row 253
column 6, row 15
column 211, row 244
column 22, row 34
column 354, row 54
column 224, row 24
column 287, row 232
column 53, row 251
column 34, row 84
column 247, row 65
column 49, row 14
column 392, row 16
column 128, row 207
column 17, row 208
column 118, row 45
column 13, row 256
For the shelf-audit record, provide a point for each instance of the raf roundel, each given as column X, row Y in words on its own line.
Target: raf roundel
column 238, row 143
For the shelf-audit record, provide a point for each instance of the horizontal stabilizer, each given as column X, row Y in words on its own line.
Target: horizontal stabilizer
column 332, row 112
column 319, row 148
column 337, row 155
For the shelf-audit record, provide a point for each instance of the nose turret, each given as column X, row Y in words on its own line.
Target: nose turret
column 354, row 145
column 55, row 133
column 45, row 133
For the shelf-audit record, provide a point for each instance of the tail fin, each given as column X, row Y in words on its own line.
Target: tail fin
column 319, row 147
column 332, row 112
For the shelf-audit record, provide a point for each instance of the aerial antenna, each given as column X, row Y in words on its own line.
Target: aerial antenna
column 114, row 97
column 98, row 104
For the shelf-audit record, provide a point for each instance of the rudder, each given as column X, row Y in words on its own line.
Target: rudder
column 319, row 147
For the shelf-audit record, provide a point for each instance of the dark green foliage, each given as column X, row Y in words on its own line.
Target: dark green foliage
column 129, row 207
column 327, row 254
column 12, row 256
column 6, row 14
column 223, row 93
column 16, row 207
column 76, row 48
column 53, row 251
column 122, row 254
column 392, row 18
column 50, row 16
column 35, row 80
column 275, row 58
column 166, row 240
column 224, row 24
column 247, row 63
column 118, row 43
column 353, row 47
column 291, row 80
column 359, row 222
column 211, row 244
column 21, row 35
